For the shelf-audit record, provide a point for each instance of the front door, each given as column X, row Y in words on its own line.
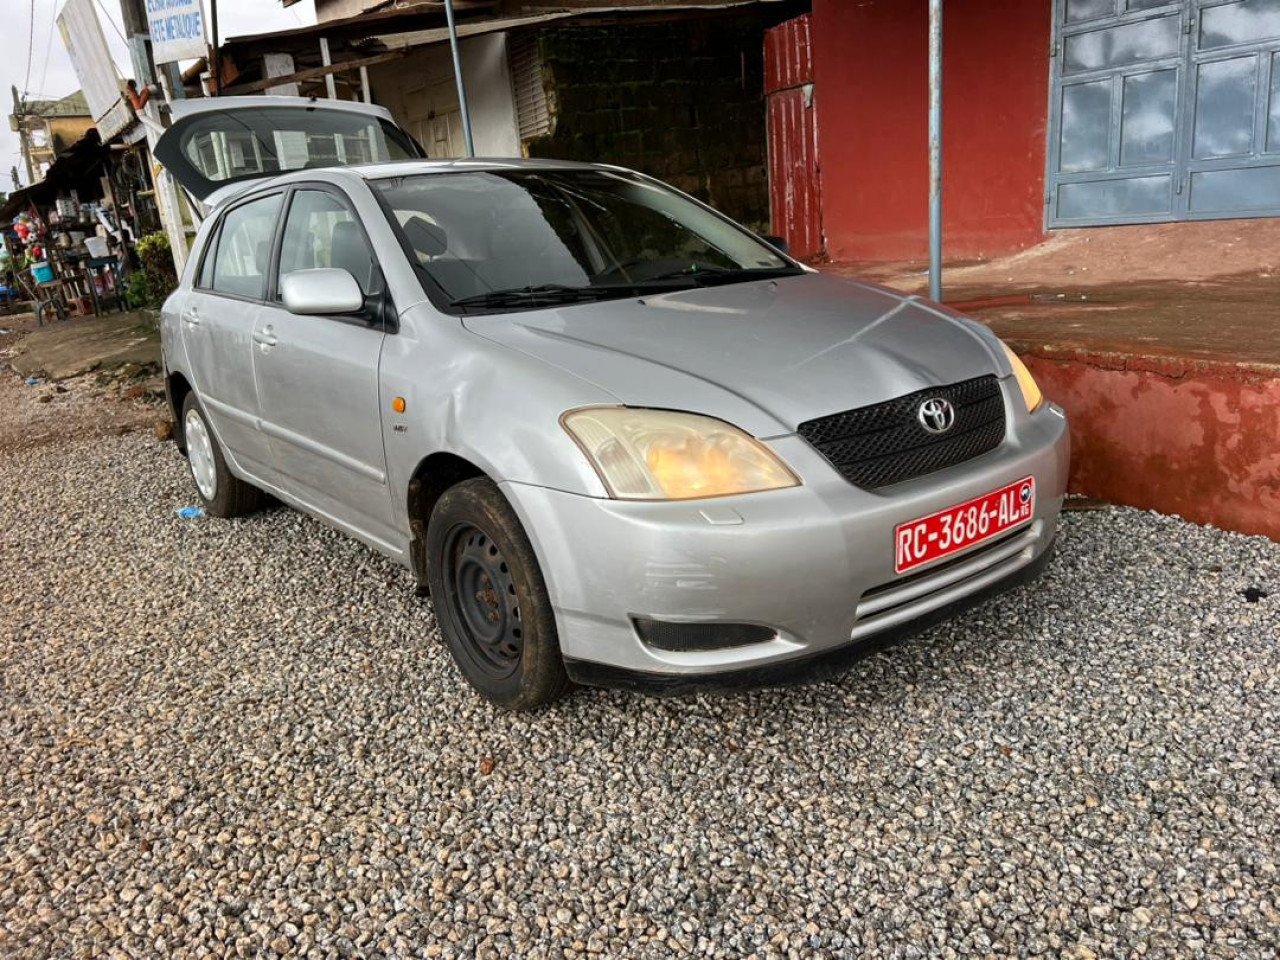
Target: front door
column 217, row 321
column 317, row 377
column 1164, row 111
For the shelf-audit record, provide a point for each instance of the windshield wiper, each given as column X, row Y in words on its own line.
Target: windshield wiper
column 542, row 293
column 705, row 275
column 552, row 293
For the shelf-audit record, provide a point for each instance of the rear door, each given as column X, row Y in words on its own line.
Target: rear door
column 218, row 320
column 317, row 377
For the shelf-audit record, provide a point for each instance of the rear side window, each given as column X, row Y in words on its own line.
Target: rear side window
column 244, row 248
column 321, row 231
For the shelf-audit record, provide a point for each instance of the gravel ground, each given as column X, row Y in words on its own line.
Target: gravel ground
column 245, row 737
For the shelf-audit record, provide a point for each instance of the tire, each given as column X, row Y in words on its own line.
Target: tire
column 222, row 494
column 490, row 599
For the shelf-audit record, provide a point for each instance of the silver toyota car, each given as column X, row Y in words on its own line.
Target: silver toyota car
column 620, row 439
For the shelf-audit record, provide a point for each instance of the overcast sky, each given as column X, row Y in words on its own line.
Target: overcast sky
column 51, row 75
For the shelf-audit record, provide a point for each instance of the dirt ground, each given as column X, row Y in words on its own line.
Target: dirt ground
column 1200, row 291
column 93, row 405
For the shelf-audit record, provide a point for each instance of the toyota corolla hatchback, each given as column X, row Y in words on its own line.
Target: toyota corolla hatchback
column 620, row 439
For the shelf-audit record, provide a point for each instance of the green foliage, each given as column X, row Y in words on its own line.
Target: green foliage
column 150, row 286
column 138, row 293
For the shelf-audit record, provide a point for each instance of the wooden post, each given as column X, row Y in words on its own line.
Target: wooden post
column 328, row 77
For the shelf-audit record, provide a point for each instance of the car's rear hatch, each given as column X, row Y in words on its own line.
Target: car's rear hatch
column 217, row 146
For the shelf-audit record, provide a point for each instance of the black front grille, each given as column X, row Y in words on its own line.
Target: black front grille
column 886, row 443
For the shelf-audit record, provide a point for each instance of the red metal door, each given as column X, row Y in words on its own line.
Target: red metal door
column 795, row 181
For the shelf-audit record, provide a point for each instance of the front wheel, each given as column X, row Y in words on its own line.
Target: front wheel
column 490, row 598
column 223, row 494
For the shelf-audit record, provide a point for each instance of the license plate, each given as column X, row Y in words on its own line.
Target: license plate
column 948, row 531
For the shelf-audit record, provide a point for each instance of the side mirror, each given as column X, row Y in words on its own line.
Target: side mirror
column 778, row 243
column 321, row 292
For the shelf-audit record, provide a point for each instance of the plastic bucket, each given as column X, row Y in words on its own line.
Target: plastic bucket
column 97, row 246
column 42, row 272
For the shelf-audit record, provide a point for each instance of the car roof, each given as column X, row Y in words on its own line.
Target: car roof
column 394, row 169
column 409, row 168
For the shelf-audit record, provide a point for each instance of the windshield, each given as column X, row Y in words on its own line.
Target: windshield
column 504, row 240
column 221, row 146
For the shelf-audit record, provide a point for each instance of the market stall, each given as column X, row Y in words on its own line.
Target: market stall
column 69, row 238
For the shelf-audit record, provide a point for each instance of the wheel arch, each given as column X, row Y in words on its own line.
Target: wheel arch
column 434, row 474
column 177, row 387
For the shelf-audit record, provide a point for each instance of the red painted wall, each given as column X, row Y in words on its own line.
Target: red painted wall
column 871, row 71
column 1200, row 440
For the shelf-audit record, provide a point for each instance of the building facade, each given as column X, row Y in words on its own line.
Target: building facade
column 1058, row 113
column 809, row 119
column 47, row 128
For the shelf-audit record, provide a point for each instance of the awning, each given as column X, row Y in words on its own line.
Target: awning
column 382, row 37
column 65, row 174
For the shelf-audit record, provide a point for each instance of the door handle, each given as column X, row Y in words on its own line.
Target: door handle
column 266, row 336
column 191, row 317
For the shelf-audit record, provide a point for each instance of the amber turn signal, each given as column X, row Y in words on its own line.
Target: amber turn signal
column 398, row 404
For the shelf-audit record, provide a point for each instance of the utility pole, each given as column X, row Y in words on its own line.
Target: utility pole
column 138, row 31
column 215, row 56
column 24, row 135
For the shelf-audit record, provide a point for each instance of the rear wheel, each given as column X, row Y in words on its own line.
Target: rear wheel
column 490, row 598
column 222, row 494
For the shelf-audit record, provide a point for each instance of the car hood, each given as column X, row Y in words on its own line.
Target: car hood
column 765, row 355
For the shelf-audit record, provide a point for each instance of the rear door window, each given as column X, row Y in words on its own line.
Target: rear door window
column 243, row 255
column 322, row 231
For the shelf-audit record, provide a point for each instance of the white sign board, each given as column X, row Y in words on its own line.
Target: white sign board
column 177, row 30
column 87, row 47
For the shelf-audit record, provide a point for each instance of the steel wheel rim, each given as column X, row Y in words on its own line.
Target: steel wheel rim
column 482, row 593
column 200, row 455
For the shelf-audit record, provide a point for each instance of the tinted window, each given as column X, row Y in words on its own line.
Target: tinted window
column 321, row 231
column 244, row 248
column 251, row 142
column 483, row 232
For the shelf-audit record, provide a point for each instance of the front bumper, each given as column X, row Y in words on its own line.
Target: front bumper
column 814, row 563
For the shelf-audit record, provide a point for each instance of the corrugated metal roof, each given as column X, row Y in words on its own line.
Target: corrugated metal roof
column 412, row 26
column 417, row 38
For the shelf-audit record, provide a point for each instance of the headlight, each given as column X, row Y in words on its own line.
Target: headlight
column 1026, row 382
column 663, row 455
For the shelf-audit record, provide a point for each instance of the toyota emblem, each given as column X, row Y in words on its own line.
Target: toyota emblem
column 936, row 415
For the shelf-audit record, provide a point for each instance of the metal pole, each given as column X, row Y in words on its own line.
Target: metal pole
column 457, row 75
column 215, row 66
column 935, row 150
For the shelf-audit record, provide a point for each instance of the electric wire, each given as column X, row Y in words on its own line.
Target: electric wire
column 48, row 46
column 119, row 32
column 31, row 36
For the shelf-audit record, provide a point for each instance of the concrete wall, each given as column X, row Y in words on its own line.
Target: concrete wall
column 871, row 71
column 489, row 96
column 682, row 101
column 422, row 95
column 1197, row 439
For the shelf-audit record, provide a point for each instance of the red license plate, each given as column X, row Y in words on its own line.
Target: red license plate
column 948, row 531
